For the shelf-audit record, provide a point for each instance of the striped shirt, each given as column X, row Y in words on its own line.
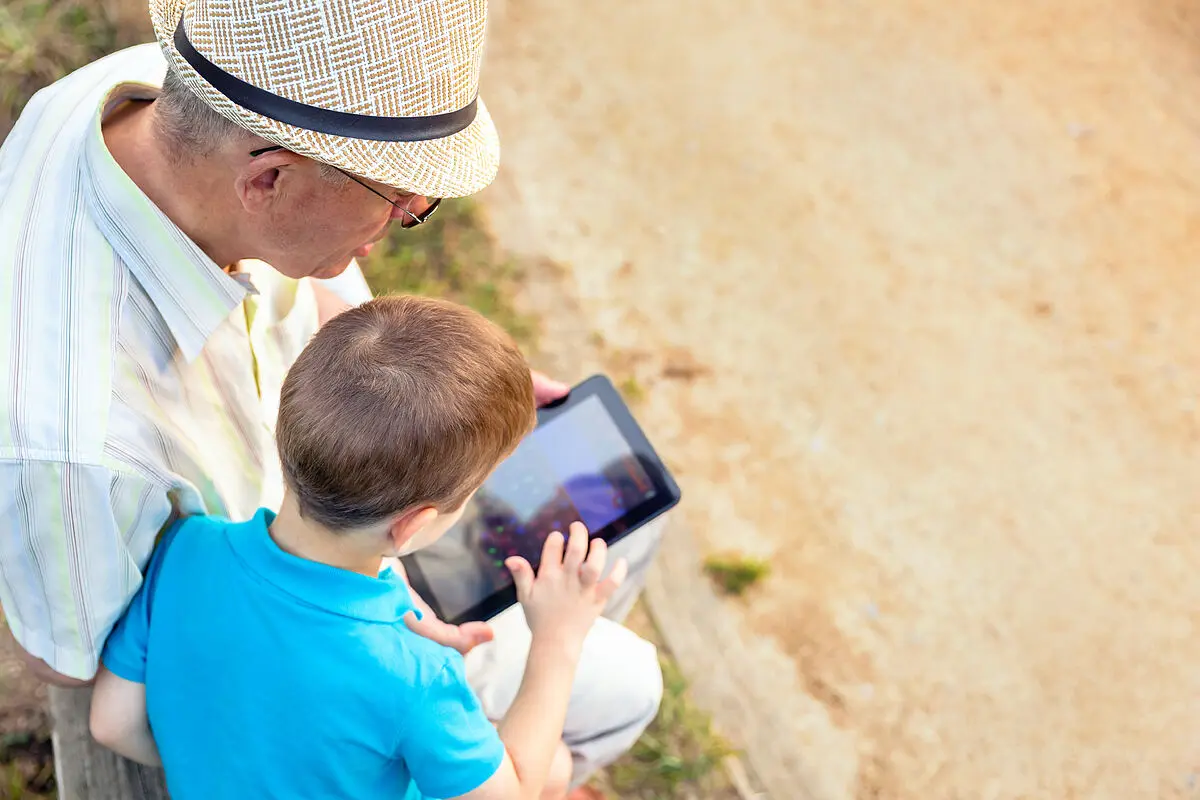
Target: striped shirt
column 138, row 380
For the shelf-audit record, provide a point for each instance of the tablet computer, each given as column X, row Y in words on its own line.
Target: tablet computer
column 587, row 460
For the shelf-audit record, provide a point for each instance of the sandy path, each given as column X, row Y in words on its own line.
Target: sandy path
column 914, row 292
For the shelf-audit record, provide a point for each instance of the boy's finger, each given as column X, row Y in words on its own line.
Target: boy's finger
column 596, row 560
column 614, row 579
column 577, row 546
column 463, row 638
column 474, row 634
column 552, row 552
column 522, row 574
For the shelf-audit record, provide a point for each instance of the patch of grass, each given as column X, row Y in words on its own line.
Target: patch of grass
column 452, row 256
column 42, row 40
column 678, row 756
column 632, row 390
column 734, row 574
column 26, row 766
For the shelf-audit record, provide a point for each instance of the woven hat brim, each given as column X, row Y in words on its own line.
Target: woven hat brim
column 454, row 166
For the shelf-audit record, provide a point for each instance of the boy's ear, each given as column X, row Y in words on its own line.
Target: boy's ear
column 406, row 527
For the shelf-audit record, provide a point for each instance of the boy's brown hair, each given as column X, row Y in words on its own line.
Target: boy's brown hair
column 400, row 402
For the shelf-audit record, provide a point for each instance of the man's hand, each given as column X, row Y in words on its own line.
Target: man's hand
column 546, row 390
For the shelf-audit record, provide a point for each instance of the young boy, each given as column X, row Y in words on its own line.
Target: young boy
column 271, row 658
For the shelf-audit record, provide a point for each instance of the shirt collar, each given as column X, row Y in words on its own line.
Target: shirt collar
column 339, row 591
column 193, row 295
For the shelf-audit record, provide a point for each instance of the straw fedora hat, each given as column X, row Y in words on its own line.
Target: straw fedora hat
column 385, row 89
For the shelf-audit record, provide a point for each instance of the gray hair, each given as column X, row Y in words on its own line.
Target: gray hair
column 187, row 124
column 191, row 129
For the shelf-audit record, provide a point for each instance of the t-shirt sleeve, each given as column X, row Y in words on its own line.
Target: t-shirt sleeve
column 448, row 744
column 125, row 652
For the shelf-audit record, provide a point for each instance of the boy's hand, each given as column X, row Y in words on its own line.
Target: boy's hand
column 463, row 638
column 566, row 596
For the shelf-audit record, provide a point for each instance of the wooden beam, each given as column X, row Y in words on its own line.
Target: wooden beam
column 744, row 680
column 85, row 770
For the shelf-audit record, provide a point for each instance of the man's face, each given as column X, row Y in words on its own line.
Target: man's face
column 316, row 225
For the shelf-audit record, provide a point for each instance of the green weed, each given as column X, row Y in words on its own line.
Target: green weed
column 734, row 574
column 678, row 755
column 632, row 390
column 42, row 40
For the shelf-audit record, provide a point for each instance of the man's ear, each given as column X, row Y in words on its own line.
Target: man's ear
column 408, row 526
column 259, row 182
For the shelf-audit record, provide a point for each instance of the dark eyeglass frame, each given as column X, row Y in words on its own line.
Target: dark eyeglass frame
column 410, row 220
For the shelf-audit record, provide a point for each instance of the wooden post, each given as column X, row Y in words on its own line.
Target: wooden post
column 85, row 770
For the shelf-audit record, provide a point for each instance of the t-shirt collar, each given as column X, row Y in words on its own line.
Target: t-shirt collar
column 339, row 591
column 193, row 295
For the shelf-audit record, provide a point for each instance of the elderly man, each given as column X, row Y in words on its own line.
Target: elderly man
column 175, row 221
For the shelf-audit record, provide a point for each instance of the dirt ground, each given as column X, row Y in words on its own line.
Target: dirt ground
column 912, row 292
column 26, row 756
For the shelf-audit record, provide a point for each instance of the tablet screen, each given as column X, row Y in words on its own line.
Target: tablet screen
column 576, row 466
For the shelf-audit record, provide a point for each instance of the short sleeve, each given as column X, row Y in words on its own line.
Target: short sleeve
column 448, row 744
column 125, row 652
column 75, row 537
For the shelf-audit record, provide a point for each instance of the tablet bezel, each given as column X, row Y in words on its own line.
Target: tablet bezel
column 666, row 495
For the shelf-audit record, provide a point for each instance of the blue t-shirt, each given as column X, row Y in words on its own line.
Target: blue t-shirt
column 270, row 676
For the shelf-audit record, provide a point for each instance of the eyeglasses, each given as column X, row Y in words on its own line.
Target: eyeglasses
column 410, row 220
